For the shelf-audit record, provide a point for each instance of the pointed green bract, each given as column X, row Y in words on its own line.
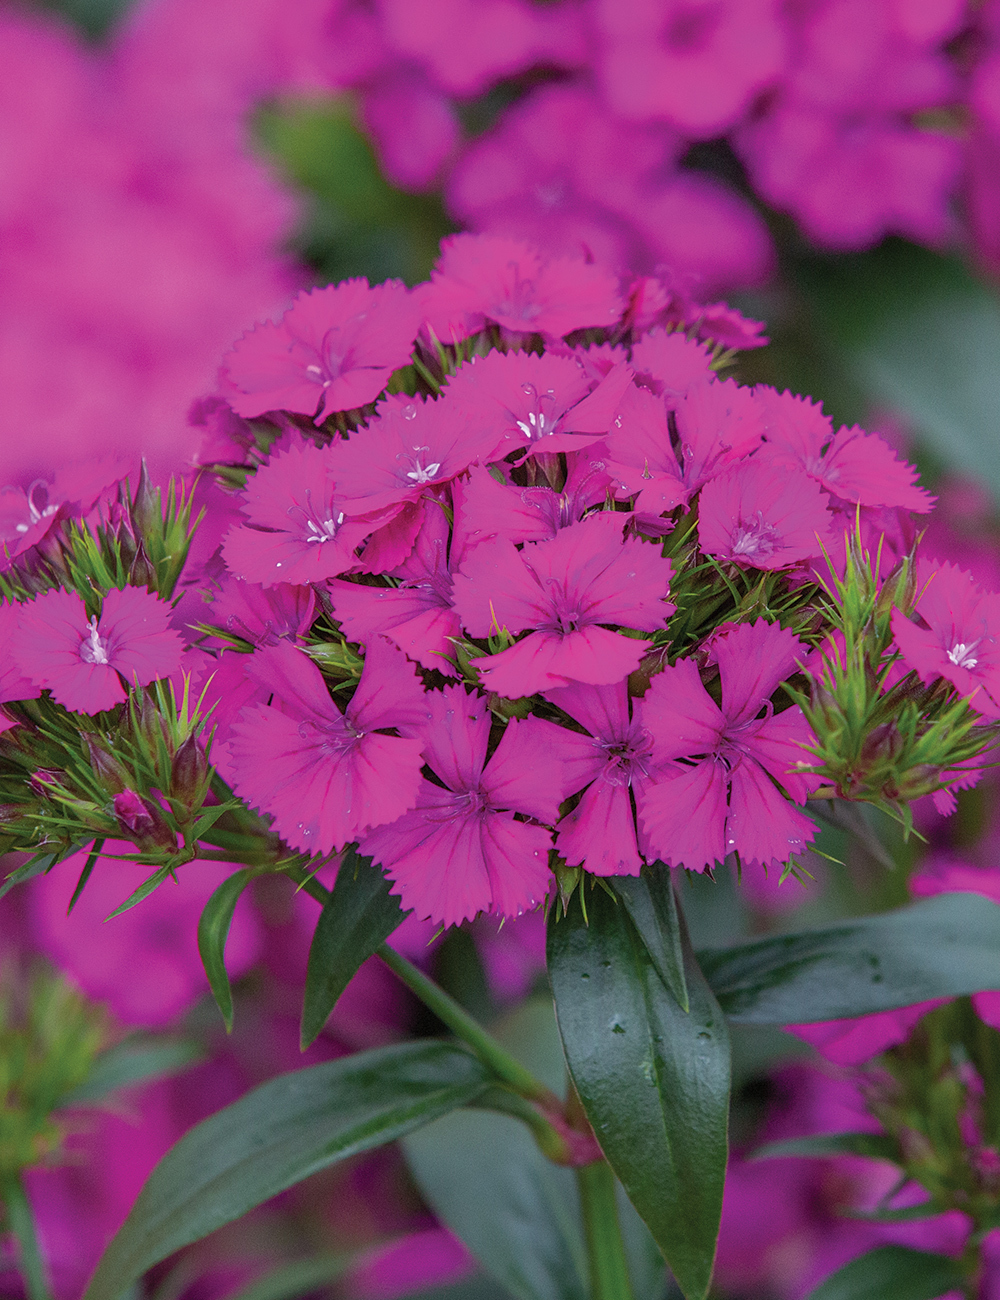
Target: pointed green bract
column 653, row 1079
column 277, row 1135
column 357, row 917
column 942, row 947
column 650, row 902
column 213, row 931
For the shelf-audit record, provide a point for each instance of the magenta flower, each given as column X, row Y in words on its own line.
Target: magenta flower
column 671, row 364
column 696, row 64
column 717, row 425
column 411, row 445
column 333, row 350
column 482, row 278
column 485, row 507
column 599, row 833
column 640, row 457
column 260, row 615
column 860, row 468
column 325, row 776
column 461, row 850
column 562, row 591
column 88, row 664
column 756, row 516
column 297, row 530
column 537, row 403
column 957, row 635
column 14, row 684
column 717, row 771
column 417, row 616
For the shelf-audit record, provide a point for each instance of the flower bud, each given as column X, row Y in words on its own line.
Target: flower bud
column 189, row 772
column 107, row 769
column 43, row 777
column 142, row 822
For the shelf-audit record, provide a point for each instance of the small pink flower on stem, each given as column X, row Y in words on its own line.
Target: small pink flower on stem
column 88, row 663
column 754, row 516
column 717, row 771
column 461, row 850
column 327, row 776
column 333, row 350
column 563, row 592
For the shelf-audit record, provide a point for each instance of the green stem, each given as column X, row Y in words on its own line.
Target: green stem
column 605, row 1249
column 21, row 1222
column 458, row 1020
column 448, row 1011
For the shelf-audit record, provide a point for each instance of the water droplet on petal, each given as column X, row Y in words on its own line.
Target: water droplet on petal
column 409, row 412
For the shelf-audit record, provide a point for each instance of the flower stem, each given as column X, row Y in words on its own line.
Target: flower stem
column 21, row 1222
column 458, row 1020
column 609, row 1278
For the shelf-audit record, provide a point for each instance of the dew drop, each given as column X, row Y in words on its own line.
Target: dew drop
column 409, row 412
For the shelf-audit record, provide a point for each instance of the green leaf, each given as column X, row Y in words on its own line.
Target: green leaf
column 892, row 1273
column 277, row 1135
column 359, row 914
column 653, row 1079
column 213, row 931
column 36, row 866
column 921, row 335
column 296, row 1278
column 879, row 1146
column 942, row 947
column 134, row 1060
column 650, row 902
column 518, row 1213
column 144, row 891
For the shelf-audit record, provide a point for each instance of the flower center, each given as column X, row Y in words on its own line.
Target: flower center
column 961, row 654
column 94, row 647
column 755, row 537
column 538, row 422
column 419, row 472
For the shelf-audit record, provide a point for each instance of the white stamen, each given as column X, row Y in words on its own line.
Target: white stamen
column 94, row 648
column 961, row 654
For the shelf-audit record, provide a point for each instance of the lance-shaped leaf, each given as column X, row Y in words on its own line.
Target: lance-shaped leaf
column 654, row 1080
column 893, row 1273
column 213, row 931
column 358, row 915
column 136, row 1059
column 877, row 1146
column 650, row 902
column 942, row 947
column 277, row 1135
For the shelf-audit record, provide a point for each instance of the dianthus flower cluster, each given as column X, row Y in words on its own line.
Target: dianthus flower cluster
column 510, row 584
column 627, row 122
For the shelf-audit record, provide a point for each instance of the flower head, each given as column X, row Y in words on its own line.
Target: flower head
column 327, row 776
column 297, row 529
column 718, row 768
column 958, row 637
column 461, row 850
column 333, row 350
column 561, row 592
column 756, row 517
column 87, row 663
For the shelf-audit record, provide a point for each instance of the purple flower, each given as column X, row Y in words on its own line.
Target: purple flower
column 333, row 350
column 717, row 770
column 327, row 776
column 88, row 663
column 461, row 850
column 756, row 516
column 297, row 529
column 599, row 833
column 562, row 591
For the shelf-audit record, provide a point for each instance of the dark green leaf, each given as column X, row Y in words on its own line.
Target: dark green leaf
column 277, row 1135
column 518, row 1213
column 213, row 931
column 879, row 1146
column 359, row 914
column 144, row 891
column 892, row 1273
column 296, row 1278
column 36, row 866
column 921, row 335
column 134, row 1060
column 942, row 947
column 654, row 1080
column 650, row 902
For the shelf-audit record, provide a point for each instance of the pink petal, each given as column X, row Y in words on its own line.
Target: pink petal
column 763, row 827
column 753, row 659
column 599, row 833
column 680, row 714
column 683, row 815
column 535, row 767
column 545, row 660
